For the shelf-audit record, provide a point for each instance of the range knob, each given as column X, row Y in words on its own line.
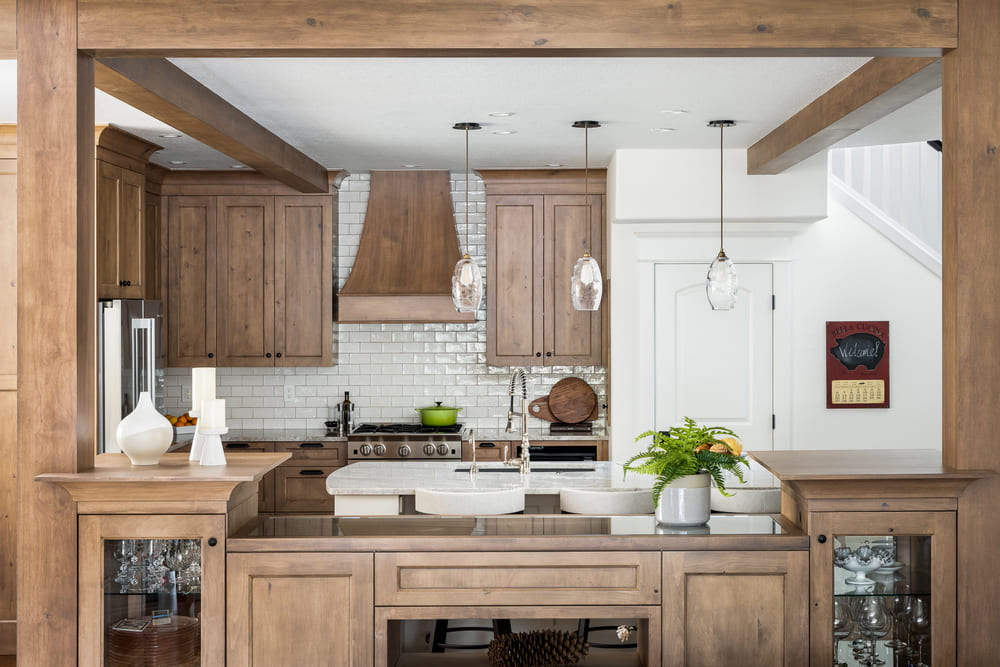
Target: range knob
column 429, row 449
column 403, row 451
column 365, row 449
column 380, row 449
column 443, row 449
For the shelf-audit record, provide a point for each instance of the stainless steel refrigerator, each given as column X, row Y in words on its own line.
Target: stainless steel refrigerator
column 130, row 360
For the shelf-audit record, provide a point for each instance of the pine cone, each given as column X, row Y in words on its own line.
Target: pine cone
column 537, row 648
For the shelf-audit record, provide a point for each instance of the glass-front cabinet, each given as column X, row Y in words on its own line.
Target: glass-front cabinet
column 152, row 590
column 883, row 589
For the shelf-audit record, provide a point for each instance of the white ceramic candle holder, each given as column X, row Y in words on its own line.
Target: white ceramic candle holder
column 198, row 442
column 212, row 453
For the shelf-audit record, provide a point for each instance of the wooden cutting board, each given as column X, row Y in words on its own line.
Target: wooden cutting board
column 540, row 408
column 572, row 400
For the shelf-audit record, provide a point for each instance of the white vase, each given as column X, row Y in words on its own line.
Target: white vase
column 144, row 435
column 686, row 501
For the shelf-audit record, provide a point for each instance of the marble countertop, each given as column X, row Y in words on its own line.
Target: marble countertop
column 387, row 478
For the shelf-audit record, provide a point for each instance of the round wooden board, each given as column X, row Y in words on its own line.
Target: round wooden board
column 540, row 408
column 572, row 400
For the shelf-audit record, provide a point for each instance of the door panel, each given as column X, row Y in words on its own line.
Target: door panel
column 191, row 281
column 514, row 268
column 714, row 366
column 303, row 274
column 571, row 228
column 131, row 243
column 246, row 281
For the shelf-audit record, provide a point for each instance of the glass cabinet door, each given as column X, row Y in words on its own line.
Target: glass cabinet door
column 883, row 589
column 151, row 590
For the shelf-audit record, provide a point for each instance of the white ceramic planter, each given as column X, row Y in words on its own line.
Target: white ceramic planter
column 144, row 435
column 685, row 501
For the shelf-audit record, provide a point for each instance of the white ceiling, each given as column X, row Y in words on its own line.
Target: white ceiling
column 379, row 113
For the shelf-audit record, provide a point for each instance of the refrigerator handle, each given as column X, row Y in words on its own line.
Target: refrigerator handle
column 144, row 348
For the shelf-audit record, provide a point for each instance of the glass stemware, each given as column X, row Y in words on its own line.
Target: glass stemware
column 920, row 625
column 900, row 606
column 842, row 622
column 874, row 622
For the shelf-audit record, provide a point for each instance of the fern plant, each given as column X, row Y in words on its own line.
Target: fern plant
column 688, row 450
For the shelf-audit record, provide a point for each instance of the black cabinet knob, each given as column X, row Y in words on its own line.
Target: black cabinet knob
column 268, row 355
column 821, row 538
column 211, row 355
column 538, row 354
column 121, row 283
column 212, row 541
column 278, row 355
column 128, row 283
column 548, row 354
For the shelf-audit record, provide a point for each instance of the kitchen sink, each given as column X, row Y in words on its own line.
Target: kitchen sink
column 534, row 468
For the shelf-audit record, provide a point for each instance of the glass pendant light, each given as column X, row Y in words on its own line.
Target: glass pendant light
column 721, row 283
column 467, row 279
column 587, row 285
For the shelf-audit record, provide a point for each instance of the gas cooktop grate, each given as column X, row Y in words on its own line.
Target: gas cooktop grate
column 407, row 429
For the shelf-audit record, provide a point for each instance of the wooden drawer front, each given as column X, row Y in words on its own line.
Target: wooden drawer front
column 302, row 489
column 544, row 578
column 485, row 451
column 304, row 453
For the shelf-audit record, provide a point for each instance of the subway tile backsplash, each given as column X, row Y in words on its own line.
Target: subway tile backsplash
column 390, row 369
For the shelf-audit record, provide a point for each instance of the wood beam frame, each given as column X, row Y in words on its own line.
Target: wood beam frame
column 164, row 91
column 874, row 90
column 8, row 29
column 511, row 27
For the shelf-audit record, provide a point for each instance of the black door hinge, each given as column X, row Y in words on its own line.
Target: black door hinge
column 772, row 302
column 774, row 422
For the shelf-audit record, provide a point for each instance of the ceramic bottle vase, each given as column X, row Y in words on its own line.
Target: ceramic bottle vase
column 144, row 435
column 686, row 501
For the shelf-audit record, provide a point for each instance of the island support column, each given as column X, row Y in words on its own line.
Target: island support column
column 56, row 319
column 971, row 312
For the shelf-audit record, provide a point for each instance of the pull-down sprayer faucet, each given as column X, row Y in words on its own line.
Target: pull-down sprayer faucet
column 518, row 377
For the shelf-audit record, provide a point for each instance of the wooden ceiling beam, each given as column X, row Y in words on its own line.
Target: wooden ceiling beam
column 553, row 27
column 165, row 92
column 877, row 88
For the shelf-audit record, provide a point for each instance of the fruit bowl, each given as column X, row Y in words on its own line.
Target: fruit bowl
column 860, row 561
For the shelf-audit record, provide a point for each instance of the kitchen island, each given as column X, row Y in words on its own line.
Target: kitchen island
column 384, row 487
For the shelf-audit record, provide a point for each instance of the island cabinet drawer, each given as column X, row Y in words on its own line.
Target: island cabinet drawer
column 304, row 453
column 302, row 489
column 517, row 578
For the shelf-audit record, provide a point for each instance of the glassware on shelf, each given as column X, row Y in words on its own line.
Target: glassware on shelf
column 157, row 566
column 920, row 626
column 860, row 561
column 842, row 625
column 900, row 606
column 874, row 623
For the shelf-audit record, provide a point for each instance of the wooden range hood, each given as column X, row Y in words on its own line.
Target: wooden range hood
column 407, row 253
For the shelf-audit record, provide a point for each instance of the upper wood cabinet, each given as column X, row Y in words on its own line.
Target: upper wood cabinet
column 250, row 280
column 538, row 225
column 127, row 247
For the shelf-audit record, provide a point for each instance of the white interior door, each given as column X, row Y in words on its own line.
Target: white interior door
column 714, row 366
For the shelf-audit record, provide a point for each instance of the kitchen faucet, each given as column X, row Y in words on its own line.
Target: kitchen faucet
column 518, row 376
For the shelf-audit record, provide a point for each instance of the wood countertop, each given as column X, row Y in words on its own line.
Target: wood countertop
column 174, row 479
column 867, row 464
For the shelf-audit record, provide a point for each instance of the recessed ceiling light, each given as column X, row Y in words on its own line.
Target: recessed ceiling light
column 238, row 166
column 501, row 114
column 662, row 129
column 504, row 131
column 676, row 112
column 409, row 166
column 178, row 162
column 553, row 164
column 170, row 136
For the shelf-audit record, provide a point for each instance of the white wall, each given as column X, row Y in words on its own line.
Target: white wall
column 836, row 268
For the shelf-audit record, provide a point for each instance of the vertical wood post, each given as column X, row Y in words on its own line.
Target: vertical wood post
column 971, row 312
column 56, row 318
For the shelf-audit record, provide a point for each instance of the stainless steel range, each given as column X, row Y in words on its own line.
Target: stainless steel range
column 369, row 442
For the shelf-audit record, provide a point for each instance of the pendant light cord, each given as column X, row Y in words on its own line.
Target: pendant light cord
column 722, row 250
column 466, row 190
column 586, row 185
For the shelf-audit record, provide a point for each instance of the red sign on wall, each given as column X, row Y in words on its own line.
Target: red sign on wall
column 857, row 364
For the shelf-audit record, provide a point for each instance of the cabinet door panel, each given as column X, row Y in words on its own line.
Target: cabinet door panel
column 152, row 223
column 131, row 239
column 191, row 284
column 109, row 182
column 735, row 608
column 302, row 489
column 572, row 226
column 303, row 281
column 515, row 274
column 245, row 252
column 299, row 609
